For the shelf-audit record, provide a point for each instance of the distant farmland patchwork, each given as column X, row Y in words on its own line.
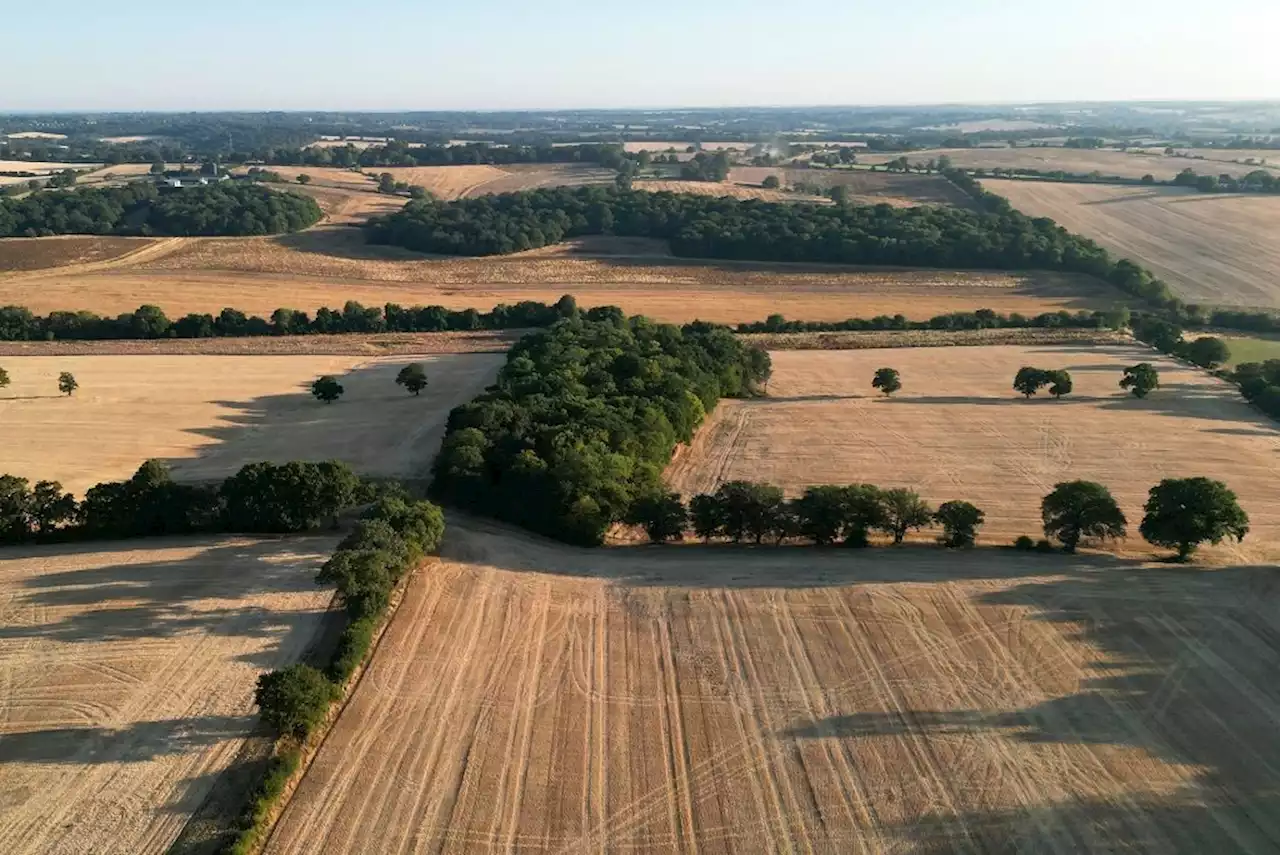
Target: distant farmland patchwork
column 1214, row 248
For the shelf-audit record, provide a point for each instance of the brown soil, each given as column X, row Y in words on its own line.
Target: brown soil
column 38, row 253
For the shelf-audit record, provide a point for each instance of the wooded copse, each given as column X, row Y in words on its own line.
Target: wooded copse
column 721, row 227
column 140, row 208
column 262, row 498
column 584, row 417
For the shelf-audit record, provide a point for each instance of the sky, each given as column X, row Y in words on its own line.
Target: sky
column 559, row 54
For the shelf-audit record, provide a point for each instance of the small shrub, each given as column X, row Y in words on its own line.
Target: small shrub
column 1024, row 544
column 294, row 699
column 1043, row 545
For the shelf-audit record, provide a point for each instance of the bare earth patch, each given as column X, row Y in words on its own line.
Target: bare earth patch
column 529, row 697
column 959, row 431
column 1215, row 248
column 210, row 415
column 127, row 675
column 39, row 253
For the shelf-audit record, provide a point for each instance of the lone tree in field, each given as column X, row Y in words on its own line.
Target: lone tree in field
column 413, row 377
column 1079, row 509
column 67, row 383
column 327, row 389
column 4, row 378
column 771, row 182
column 1060, row 383
column 662, row 515
column 1140, row 379
column 1030, row 380
column 960, row 522
column 1182, row 513
column 887, row 380
column 294, row 700
column 904, row 510
column 304, row 178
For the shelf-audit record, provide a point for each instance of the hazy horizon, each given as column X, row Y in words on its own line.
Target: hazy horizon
column 314, row 56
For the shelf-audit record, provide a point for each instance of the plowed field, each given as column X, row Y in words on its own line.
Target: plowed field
column 126, row 680
column 530, row 698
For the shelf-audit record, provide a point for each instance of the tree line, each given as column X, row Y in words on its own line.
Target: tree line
column 390, row 538
column 399, row 153
column 584, row 417
column 718, row 227
column 140, row 208
column 1180, row 513
column 262, row 498
column 17, row 323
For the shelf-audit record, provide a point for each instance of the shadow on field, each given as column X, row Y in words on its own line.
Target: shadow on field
column 1186, row 676
column 345, row 241
column 207, row 593
column 138, row 742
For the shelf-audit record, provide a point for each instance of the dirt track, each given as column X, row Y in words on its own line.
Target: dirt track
column 957, row 430
column 532, row 698
column 126, row 680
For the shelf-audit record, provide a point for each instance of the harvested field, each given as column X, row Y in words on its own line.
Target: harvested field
column 446, row 182
column 458, row 182
column 529, row 697
column 35, row 135
column 323, row 176
column 128, row 675
column 338, row 344
column 959, row 431
column 209, row 415
column 344, row 207
column 1211, row 248
column 330, row 266
column 735, row 191
column 1108, row 162
column 865, row 187
column 36, row 168
column 18, row 254
column 859, row 340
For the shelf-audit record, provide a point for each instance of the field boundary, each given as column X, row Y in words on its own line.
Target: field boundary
column 254, row 839
column 858, row 340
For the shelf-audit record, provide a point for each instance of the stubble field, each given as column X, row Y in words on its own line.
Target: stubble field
column 209, row 415
column 329, row 266
column 535, row 698
column 1052, row 158
column 865, row 187
column 1210, row 248
column 957, row 430
column 126, row 680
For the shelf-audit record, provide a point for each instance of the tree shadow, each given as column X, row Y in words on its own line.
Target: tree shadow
column 345, row 241
column 138, row 742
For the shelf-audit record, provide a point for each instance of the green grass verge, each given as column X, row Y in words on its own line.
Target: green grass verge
column 1247, row 349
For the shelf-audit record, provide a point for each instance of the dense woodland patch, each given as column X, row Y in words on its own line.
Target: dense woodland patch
column 140, row 208
column 584, row 417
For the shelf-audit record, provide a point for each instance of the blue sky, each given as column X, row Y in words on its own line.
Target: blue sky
column 506, row 54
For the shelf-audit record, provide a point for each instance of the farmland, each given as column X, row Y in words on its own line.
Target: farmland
column 728, row 188
column 209, row 415
column 534, row 697
column 959, row 431
column 1051, row 158
column 865, row 187
column 1210, row 248
column 331, row 266
column 128, row 674
column 20, row 254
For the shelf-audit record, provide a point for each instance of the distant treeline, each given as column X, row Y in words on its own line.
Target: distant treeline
column 584, row 417
column 18, row 323
column 260, row 498
column 982, row 319
column 140, row 208
column 402, row 154
column 716, row 227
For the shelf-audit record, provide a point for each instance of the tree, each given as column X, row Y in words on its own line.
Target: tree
column 4, row 378
column 413, row 377
column 386, row 183
column 864, row 510
column 1029, row 380
column 1140, row 379
column 327, row 389
column 15, row 507
column 839, row 194
column 771, row 182
column 1182, row 513
column 1080, row 509
column 887, row 381
column 1060, row 383
column 1206, row 351
column 294, row 700
column 823, row 512
column 50, row 507
column 904, row 510
column 662, row 515
column 303, row 178
column 67, row 383
column 960, row 522
column 707, row 516
column 157, row 167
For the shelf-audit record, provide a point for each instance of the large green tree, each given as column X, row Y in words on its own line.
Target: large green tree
column 1140, row 379
column 903, row 511
column 1182, row 513
column 960, row 522
column 887, row 381
column 295, row 699
column 1080, row 509
column 662, row 515
column 413, row 377
column 327, row 389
